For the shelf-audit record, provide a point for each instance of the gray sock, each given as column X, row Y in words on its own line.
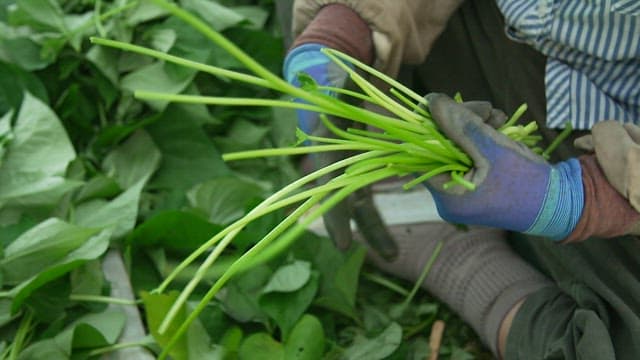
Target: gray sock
column 476, row 273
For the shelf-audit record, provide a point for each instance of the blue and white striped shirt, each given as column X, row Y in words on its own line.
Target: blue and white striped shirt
column 593, row 56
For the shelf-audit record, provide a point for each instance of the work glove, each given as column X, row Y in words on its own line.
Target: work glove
column 617, row 149
column 309, row 59
column 515, row 188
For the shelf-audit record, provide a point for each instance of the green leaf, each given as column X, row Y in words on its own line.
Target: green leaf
column 290, row 277
column 145, row 11
column 163, row 39
column 188, row 45
column 40, row 247
column 188, row 156
column 173, row 229
column 194, row 345
column 286, row 308
column 255, row 15
column 95, row 330
column 25, row 53
column 261, row 346
column 48, row 303
column 42, row 14
column 155, row 77
column 87, row 279
column 232, row 339
column 218, row 16
column 241, row 295
column 105, row 60
column 89, row 331
column 99, row 186
column 133, row 161
column 346, row 279
column 339, row 272
column 306, row 341
column 224, row 199
column 5, row 312
column 32, row 172
column 263, row 46
column 118, row 215
column 14, row 82
column 306, row 81
column 156, row 307
column 131, row 164
column 243, row 135
column 376, row 348
column 90, row 250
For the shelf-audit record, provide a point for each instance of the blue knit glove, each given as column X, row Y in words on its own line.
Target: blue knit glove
column 360, row 207
column 515, row 188
column 309, row 59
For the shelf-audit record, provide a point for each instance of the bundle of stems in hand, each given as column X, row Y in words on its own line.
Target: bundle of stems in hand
column 407, row 142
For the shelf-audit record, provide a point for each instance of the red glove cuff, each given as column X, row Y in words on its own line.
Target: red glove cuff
column 606, row 213
column 339, row 27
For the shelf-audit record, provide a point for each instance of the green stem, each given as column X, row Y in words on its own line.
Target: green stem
column 559, row 139
column 384, row 282
column 351, row 93
column 371, row 134
column 423, row 275
column 321, row 191
column 282, row 243
column 252, row 154
column 98, row 18
column 409, row 103
column 515, row 117
column 378, row 74
column 271, row 199
column 432, row 173
column 119, row 346
column 103, row 299
column 228, row 234
column 225, row 277
column 457, row 177
column 429, row 151
column 375, row 93
column 275, row 81
column 213, row 70
column 259, row 249
column 21, row 336
column 230, row 101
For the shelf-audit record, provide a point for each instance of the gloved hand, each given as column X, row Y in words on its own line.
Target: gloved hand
column 309, row 59
column 515, row 188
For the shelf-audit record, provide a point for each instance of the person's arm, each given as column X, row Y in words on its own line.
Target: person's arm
column 611, row 179
column 595, row 195
column 401, row 31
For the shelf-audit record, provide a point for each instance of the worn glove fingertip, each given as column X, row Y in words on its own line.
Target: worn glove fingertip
column 480, row 108
column 584, row 143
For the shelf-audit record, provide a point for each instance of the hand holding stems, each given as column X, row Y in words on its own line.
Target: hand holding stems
column 515, row 189
column 309, row 60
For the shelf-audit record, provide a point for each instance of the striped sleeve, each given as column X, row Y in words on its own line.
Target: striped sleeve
column 593, row 56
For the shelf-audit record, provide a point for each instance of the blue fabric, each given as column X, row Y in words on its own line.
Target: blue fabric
column 515, row 189
column 309, row 59
column 563, row 204
column 593, row 56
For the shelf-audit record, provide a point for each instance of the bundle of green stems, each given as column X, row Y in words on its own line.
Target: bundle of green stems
column 406, row 142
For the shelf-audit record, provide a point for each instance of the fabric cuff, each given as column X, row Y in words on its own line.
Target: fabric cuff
column 606, row 213
column 562, row 207
column 339, row 27
column 303, row 57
